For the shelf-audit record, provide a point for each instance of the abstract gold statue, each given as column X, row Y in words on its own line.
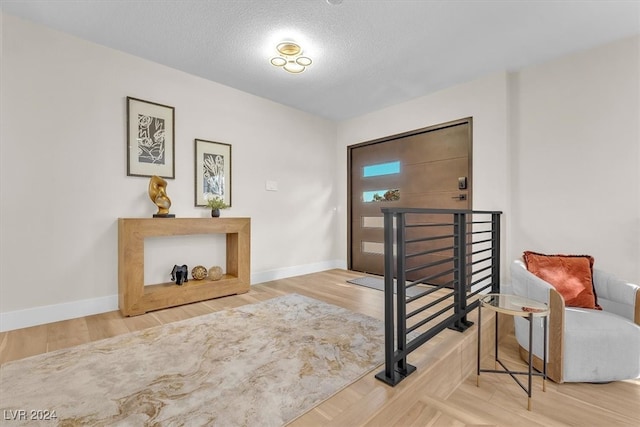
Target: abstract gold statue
column 158, row 195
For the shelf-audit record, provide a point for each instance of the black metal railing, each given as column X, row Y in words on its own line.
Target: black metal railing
column 439, row 259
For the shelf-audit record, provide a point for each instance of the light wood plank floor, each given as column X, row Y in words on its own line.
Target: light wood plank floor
column 442, row 392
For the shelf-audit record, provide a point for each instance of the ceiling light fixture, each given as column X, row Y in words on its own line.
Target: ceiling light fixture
column 290, row 58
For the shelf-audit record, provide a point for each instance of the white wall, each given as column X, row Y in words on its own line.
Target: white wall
column 63, row 173
column 576, row 136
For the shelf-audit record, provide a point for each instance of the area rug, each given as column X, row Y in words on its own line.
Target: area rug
column 262, row 364
column 378, row 283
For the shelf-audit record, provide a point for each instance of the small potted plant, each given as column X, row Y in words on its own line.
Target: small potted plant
column 216, row 203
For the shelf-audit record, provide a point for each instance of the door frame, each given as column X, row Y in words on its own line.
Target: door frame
column 466, row 120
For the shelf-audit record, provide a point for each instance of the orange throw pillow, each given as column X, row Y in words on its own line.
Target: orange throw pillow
column 571, row 275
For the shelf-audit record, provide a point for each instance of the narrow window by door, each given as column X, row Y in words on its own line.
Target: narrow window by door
column 425, row 168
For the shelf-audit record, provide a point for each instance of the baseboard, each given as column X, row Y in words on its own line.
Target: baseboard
column 297, row 270
column 53, row 313
column 70, row 310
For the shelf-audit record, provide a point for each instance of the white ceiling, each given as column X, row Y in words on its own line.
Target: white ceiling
column 368, row 54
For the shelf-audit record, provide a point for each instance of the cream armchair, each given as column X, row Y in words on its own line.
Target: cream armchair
column 583, row 345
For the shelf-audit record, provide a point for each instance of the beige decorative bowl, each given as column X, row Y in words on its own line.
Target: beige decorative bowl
column 199, row 272
column 215, row 273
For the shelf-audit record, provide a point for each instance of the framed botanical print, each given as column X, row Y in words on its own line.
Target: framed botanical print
column 213, row 171
column 150, row 139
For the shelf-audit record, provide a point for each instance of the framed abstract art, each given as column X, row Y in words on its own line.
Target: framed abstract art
column 212, row 171
column 150, row 139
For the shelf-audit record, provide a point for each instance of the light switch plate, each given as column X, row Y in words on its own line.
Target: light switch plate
column 271, row 185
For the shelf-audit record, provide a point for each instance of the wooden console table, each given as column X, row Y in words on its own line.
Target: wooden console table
column 135, row 298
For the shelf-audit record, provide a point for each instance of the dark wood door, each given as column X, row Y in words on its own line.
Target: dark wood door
column 420, row 169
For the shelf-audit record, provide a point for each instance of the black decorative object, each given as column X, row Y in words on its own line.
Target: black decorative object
column 180, row 274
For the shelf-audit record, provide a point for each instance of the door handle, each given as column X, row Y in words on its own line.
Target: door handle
column 460, row 197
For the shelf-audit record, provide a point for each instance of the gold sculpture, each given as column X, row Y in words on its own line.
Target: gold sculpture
column 158, row 195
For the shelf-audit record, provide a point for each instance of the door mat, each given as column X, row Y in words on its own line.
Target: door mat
column 378, row 283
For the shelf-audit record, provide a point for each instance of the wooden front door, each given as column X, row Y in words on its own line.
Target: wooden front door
column 426, row 168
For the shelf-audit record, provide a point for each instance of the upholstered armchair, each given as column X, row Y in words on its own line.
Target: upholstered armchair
column 584, row 345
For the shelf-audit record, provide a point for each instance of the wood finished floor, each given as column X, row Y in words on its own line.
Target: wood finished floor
column 440, row 393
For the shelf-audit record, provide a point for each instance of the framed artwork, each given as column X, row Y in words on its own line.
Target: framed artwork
column 150, row 139
column 213, row 171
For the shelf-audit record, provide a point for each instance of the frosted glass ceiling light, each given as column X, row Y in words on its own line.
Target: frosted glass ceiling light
column 278, row 61
column 290, row 58
column 304, row 61
column 293, row 67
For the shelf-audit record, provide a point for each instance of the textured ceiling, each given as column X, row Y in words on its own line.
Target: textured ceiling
column 367, row 54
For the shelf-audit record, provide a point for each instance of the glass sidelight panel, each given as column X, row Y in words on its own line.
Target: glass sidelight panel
column 388, row 168
column 388, row 195
column 375, row 248
column 375, row 222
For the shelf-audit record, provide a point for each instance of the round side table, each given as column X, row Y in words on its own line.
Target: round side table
column 513, row 305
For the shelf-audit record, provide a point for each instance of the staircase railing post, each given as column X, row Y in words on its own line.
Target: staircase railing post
column 388, row 375
column 460, row 272
column 401, row 310
column 495, row 252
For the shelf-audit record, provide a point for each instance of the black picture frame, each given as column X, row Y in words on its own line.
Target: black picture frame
column 150, row 139
column 212, row 171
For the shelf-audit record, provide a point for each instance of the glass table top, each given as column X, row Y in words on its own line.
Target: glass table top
column 514, row 305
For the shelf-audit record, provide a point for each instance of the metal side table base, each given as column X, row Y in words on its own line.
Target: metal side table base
column 513, row 305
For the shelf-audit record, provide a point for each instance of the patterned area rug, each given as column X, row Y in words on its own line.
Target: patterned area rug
column 262, row 364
